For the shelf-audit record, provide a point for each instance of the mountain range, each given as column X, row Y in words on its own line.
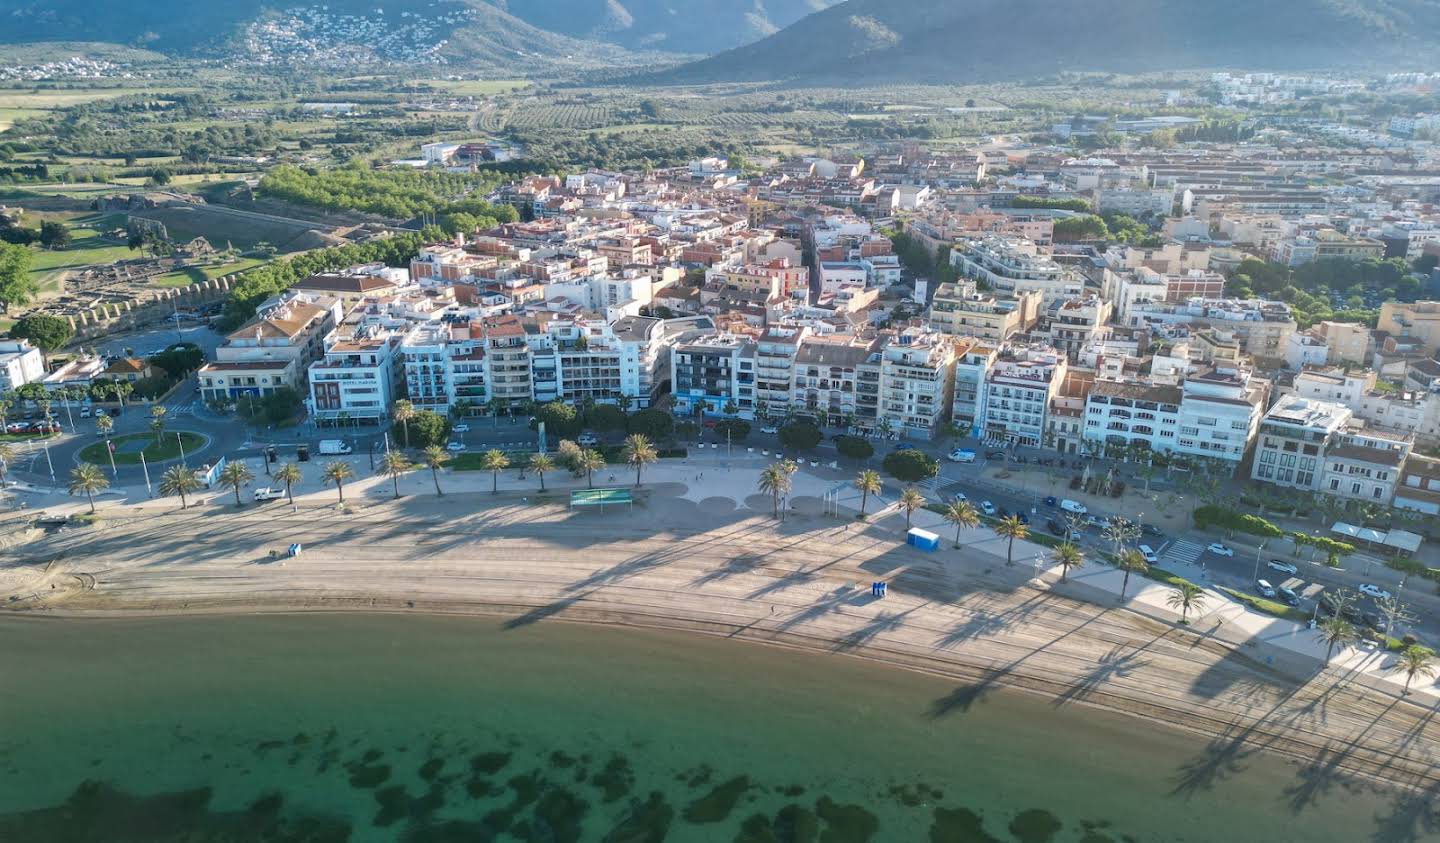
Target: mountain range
column 975, row 40
column 681, row 27
column 804, row 41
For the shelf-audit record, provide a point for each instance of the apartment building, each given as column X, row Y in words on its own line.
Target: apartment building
column 714, row 375
column 775, row 353
column 827, row 379
column 1220, row 412
column 1136, row 201
column 1261, row 328
column 1012, row 266
column 20, row 363
column 916, row 384
column 1124, row 414
column 1294, row 436
column 973, row 362
column 1346, row 342
column 271, row 351
column 1365, row 464
column 1419, row 487
column 1065, row 418
column 444, row 364
column 960, row 310
column 1018, row 393
column 1073, row 324
column 1419, row 321
column 357, row 379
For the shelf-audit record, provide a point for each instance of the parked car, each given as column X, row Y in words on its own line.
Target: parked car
column 85, row 412
column 770, row 429
column 1074, row 506
column 961, row 455
column 1050, row 501
column 1148, row 554
column 960, row 497
column 461, row 428
column 904, row 446
column 455, row 446
column 1374, row 591
column 1350, row 613
column 1093, row 521
column 1024, row 519
column 587, row 440
column 1220, row 550
column 1055, row 527
column 268, row 494
column 1150, row 530
column 1282, row 567
column 1289, row 596
column 994, row 455
column 1374, row 621
column 987, row 507
column 1264, row 588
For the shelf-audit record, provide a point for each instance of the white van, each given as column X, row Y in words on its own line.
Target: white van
column 1148, row 554
column 1073, row 506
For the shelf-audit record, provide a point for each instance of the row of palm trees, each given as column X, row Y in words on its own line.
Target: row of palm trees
column 180, row 480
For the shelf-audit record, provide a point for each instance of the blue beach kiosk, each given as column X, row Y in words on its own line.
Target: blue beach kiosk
column 922, row 540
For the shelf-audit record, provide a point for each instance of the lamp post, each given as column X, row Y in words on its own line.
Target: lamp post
column 1256, row 575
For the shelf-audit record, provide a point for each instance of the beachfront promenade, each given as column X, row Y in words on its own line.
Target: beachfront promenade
column 701, row 551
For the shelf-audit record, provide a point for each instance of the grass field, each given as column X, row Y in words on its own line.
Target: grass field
column 8, row 116
column 188, row 222
column 86, row 249
column 477, row 87
column 196, row 274
column 48, row 99
column 168, row 449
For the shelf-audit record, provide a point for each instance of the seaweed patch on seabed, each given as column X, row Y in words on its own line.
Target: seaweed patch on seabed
column 102, row 813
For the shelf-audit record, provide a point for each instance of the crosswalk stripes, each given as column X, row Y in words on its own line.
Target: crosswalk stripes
column 1182, row 550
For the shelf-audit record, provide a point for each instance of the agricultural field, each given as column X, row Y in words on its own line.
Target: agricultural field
column 476, row 87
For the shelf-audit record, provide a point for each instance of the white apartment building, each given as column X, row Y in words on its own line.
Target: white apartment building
column 959, row 310
column 1018, row 391
column 1293, row 438
column 20, row 363
column 1136, row 201
column 356, row 380
column 1220, row 410
column 916, row 385
column 1011, row 266
column 972, row 369
column 1122, row 414
column 1260, row 328
column 775, row 353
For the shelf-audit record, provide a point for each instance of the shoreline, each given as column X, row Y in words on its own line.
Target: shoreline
column 1177, row 717
column 743, row 576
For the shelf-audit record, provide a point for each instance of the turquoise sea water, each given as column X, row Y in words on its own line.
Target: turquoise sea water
column 379, row 728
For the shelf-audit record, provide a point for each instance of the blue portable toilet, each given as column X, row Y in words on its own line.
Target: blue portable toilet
column 922, row 539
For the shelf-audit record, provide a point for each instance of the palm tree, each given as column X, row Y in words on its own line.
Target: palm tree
column 868, row 482
column 157, row 421
column 121, row 389
column 1069, row 556
column 1186, row 596
column 963, row 515
column 179, row 480
column 435, row 459
column 910, row 500
column 236, row 475
column 540, row 463
column 639, row 452
column 104, row 424
column 403, row 412
column 337, row 472
column 394, row 463
column 7, row 456
column 589, row 462
column 87, row 477
column 1415, row 661
column 1131, row 562
column 7, row 402
column 289, row 474
column 1336, row 632
column 1011, row 528
column 775, row 481
column 494, row 461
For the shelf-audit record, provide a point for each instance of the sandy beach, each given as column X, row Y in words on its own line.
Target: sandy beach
column 722, row 566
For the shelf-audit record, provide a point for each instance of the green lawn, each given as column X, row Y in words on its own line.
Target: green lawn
column 196, row 274
column 1269, row 607
column 168, row 449
column 85, row 250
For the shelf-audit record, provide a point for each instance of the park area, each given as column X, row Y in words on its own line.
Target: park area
column 129, row 448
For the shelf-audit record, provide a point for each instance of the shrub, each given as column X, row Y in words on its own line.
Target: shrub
column 656, row 425
column 911, row 466
column 800, row 436
column 854, row 447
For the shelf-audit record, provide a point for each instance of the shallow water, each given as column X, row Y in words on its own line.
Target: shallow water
column 370, row 728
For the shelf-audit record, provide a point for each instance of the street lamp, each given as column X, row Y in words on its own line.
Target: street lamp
column 1256, row 575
